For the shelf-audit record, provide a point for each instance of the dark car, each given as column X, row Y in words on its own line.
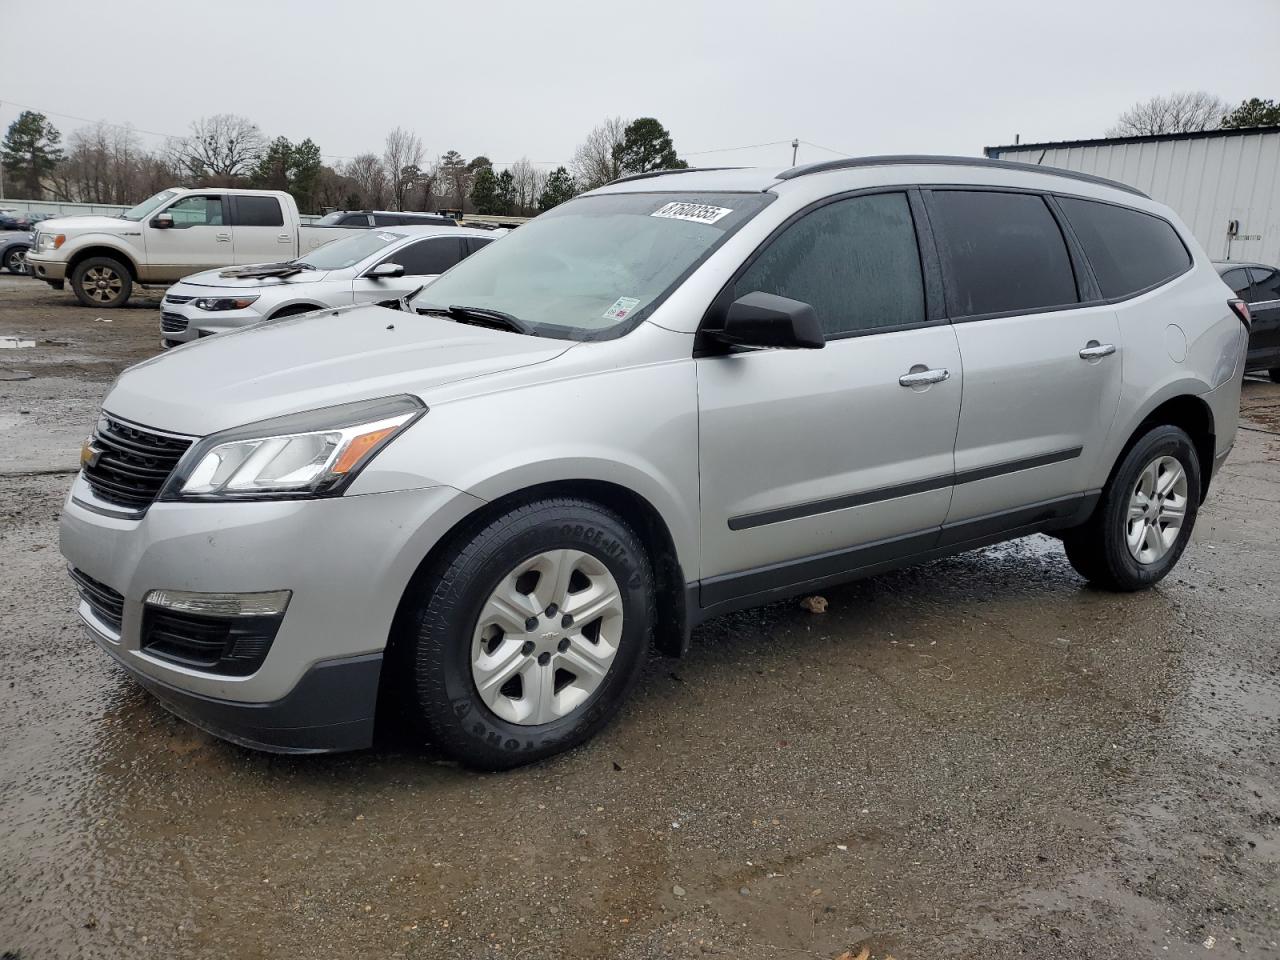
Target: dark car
column 22, row 219
column 13, row 251
column 383, row 218
column 1259, row 286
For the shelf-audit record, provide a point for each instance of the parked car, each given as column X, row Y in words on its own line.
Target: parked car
column 370, row 266
column 1259, row 286
column 672, row 397
column 383, row 218
column 13, row 250
column 23, row 220
column 169, row 236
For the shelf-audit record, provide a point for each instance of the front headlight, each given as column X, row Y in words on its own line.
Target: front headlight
column 224, row 303
column 312, row 454
column 50, row 241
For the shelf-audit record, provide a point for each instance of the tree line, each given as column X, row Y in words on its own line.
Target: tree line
column 107, row 163
column 1192, row 112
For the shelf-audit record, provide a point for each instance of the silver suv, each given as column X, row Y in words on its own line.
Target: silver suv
column 678, row 395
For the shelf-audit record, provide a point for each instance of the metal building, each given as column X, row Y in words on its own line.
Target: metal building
column 1224, row 184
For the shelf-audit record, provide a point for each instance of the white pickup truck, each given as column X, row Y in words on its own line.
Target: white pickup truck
column 172, row 235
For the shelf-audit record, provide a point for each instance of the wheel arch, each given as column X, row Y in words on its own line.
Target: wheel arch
column 1187, row 411
column 102, row 250
column 292, row 309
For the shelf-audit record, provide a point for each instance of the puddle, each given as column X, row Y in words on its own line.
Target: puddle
column 14, row 343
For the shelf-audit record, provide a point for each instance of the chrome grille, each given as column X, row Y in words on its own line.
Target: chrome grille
column 170, row 298
column 172, row 323
column 130, row 464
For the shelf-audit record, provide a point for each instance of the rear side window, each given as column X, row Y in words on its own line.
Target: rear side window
column 475, row 243
column 1129, row 250
column 387, row 220
column 1266, row 286
column 854, row 261
column 258, row 212
column 427, row 257
column 1002, row 253
column 1238, row 281
column 356, row 220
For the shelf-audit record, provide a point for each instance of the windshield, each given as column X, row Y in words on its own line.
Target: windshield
column 347, row 252
column 595, row 266
column 145, row 208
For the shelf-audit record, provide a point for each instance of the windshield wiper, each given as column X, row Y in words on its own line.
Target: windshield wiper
column 483, row 317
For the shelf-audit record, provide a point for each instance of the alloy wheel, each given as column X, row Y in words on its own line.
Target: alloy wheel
column 1157, row 508
column 102, row 284
column 546, row 637
column 16, row 261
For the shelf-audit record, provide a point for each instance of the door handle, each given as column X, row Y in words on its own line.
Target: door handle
column 1093, row 350
column 923, row 377
column 283, row 237
column 223, row 237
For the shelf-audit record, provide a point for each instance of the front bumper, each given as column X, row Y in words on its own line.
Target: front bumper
column 347, row 560
column 43, row 269
column 182, row 322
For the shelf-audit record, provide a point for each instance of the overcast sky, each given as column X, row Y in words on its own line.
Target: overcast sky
column 511, row 79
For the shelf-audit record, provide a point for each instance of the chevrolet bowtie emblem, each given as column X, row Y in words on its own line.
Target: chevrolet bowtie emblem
column 90, row 455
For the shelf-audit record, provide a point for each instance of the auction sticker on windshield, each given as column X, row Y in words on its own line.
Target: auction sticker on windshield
column 697, row 212
column 621, row 308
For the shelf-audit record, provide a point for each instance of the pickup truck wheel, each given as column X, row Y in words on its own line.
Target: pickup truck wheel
column 101, row 282
column 1144, row 519
column 15, row 261
column 529, row 634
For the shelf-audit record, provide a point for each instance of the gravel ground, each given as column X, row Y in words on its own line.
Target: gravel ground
column 980, row 757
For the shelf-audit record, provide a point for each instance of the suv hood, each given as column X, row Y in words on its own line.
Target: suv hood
column 318, row 360
column 214, row 278
column 86, row 225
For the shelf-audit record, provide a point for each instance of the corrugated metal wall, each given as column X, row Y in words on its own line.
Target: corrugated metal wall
column 1208, row 181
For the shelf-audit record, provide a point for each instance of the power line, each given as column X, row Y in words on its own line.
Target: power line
column 838, row 153
column 748, row 146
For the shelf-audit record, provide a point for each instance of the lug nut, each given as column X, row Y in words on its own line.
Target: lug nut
column 531, row 624
column 567, row 621
column 527, row 647
column 544, row 658
column 551, row 610
column 563, row 645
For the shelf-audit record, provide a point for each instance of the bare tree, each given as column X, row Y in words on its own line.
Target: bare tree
column 593, row 162
column 528, row 182
column 105, row 163
column 221, row 147
column 370, row 178
column 1175, row 113
column 402, row 160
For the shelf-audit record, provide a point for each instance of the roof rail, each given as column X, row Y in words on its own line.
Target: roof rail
column 923, row 159
column 663, row 173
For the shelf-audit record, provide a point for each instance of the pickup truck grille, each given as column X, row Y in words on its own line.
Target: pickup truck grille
column 172, row 323
column 131, row 464
column 107, row 604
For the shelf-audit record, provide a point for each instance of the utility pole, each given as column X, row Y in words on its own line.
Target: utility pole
column 795, row 147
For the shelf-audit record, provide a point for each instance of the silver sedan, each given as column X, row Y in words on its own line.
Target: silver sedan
column 371, row 266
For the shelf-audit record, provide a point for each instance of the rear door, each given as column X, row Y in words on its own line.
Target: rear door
column 1042, row 373
column 423, row 261
column 1264, row 308
column 814, row 462
column 258, row 226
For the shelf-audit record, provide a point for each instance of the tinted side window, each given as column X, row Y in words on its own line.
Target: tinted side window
column 387, row 220
column 428, row 257
column 1238, row 281
column 1002, row 252
column 1266, row 285
column 356, row 220
column 854, row 261
column 258, row 212
column 475, row 243
column 1129, row 250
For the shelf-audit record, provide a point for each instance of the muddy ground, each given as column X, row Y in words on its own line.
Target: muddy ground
column 980, row 757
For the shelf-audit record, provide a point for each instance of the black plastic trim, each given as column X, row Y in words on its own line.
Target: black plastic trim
column 749, row 588
column 924, row 160
column 843, row 502
column 666, row 173
column 330, row 709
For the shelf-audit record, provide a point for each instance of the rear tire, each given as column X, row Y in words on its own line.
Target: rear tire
column 550, row 681
column 101, row 282
column 1144, row 519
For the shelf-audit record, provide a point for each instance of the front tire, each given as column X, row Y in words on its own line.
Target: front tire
column 1144, row 519
column 529, row 633
column 15, row 261
column 101, row 282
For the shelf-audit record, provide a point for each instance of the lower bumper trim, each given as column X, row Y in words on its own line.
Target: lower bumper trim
column 330, row 709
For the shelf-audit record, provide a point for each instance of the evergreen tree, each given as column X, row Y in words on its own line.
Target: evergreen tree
column 31, row 152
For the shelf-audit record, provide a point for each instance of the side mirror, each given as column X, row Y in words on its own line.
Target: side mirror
column 162, row 221
column 764, row 320
column 385, row 271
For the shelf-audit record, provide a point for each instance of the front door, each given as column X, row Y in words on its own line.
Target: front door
column 817, row 462
column 423, row 261
column 1042, row 374
column 199, row 239
column 1264, row 307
